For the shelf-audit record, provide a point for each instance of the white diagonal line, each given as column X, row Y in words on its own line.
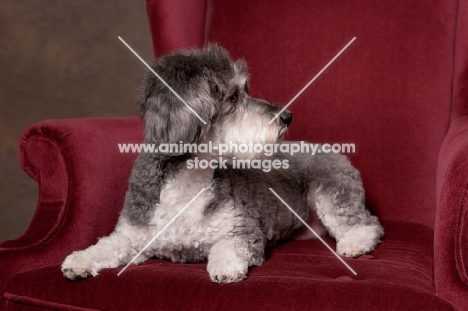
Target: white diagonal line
column 308, row 227
column 313, row 79
column 159, row 233
column 161, row 79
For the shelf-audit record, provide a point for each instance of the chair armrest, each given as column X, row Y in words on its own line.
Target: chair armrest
column 451, row 229
column 82, row 179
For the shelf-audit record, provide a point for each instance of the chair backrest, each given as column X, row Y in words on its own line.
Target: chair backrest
column 389, row 92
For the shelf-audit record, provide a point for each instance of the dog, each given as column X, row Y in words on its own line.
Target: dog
column 236, row 217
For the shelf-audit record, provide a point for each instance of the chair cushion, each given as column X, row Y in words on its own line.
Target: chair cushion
column 297, row 275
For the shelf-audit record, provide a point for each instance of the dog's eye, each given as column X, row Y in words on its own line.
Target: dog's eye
column 233, row 98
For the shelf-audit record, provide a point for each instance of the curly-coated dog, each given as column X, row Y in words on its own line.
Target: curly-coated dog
column 232, row 222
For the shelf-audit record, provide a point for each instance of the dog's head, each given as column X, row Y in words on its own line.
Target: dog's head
column 215, row 89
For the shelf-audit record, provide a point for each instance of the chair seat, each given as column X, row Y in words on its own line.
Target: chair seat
column 297, row 275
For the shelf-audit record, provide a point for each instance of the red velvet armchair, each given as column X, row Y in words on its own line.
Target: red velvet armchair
column 399, row 93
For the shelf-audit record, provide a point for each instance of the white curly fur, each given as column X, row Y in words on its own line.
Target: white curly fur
column 236, row 217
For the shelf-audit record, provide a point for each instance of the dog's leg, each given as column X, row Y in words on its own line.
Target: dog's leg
column 339, row 203
column 355, row 230
column 109, row 252
column 230, row 258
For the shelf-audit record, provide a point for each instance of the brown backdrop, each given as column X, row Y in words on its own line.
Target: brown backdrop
column 61, row 59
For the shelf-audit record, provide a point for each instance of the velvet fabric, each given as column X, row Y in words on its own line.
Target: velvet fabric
column 389, row 93
column 298, row 275
column 82, row 180
column 399, row 93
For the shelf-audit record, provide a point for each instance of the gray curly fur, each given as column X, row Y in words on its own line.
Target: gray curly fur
column 167, row 119
column 263, row 220
column 326, row 186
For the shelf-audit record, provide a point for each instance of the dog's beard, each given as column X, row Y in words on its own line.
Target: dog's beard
column 238, row 131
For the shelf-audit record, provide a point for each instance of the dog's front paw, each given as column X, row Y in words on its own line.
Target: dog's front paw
column 227, row 271
column 351, row 249
column 77, row 267
column 359, row 241
column 225, row 265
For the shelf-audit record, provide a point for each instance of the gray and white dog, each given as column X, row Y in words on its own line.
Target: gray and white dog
column 232, row 222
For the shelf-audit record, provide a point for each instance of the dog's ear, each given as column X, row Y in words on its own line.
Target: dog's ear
column 200, row 78
column 215, row 89
column 169, row 121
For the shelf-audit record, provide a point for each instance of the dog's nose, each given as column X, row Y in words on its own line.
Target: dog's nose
column 286, row 117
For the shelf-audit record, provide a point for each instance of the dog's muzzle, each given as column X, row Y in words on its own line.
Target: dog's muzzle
column 286, row 117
